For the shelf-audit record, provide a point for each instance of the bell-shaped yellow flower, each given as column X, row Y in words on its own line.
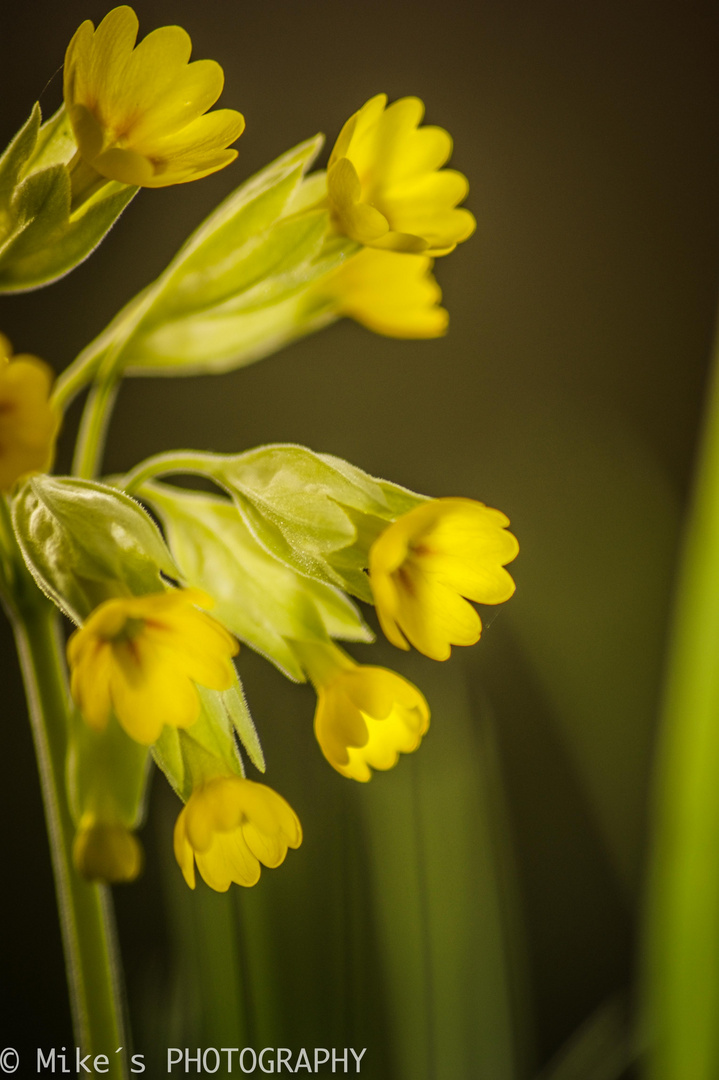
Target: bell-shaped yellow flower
column 137, row 113
column 141, row 656
column 427, row 561
column 366, row 716
column 28, row 422
column 389, row 293
column 228, row 827
column 385, row 184
column 108, row 852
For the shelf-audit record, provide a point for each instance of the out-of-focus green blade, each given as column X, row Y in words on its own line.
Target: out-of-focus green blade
column 202, row 1004
column 434, row 831
column 602, row 1049
column 681, row 987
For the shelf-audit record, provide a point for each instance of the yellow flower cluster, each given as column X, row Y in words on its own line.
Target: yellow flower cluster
column 139, row 117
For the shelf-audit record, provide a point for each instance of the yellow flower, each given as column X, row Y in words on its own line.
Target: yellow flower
column 366, row 716
column 141, row 657
column 106, row 851
column 386, row 187
column 389, row 293
column 423, row 565
column 137, row 113
column 28, row 423
column 229, row 826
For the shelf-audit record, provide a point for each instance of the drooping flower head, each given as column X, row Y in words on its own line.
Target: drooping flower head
column 386, row 185
column 137, row 113
column 228, row 827
column 141, row 657
column 427, row 561
column 389, row 293
column 28, row 422
column 106, row 851
column 366, row 716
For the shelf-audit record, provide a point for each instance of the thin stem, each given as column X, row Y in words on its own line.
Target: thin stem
column 170, row 462
column 93, row 428
column 74, row 378
column 85, row 910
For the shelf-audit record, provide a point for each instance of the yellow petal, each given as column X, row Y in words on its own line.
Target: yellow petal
column 183, row 851
column 108, row 57
column 190, row 94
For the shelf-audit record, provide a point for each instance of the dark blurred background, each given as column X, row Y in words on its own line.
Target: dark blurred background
column 568, row 392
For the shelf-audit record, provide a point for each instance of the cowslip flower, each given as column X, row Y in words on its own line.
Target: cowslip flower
column 106, row 851
column 389, row 293
column 385, row 184
column 366, row 716
column 137, row 113
column 424, row 564
column 141, row 656
column 228, row 827
column 28, row 422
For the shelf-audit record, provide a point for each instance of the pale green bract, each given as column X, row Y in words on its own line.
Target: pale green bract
column 239, row 288
column 42, row 236
column 85, row 542
column 260, row 599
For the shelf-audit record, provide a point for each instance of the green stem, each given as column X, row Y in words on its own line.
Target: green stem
column 71, row 381
column 681, row 976
column 85, row 910
column 171, row 462
column 93, row 428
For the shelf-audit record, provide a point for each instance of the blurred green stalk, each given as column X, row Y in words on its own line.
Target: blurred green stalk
column 681, row 969
column 85, row 910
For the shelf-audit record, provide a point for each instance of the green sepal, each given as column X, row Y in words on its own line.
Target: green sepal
column 41, row 236
column 85, row 542
column 17, row 155
column 106, row 773
column 189, row 756
column 238, row 288
column 260, row 599
column 316, row 513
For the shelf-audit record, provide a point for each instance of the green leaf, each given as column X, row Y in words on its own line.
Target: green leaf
column 260, row 599
column 681, row 969
column 85, row 542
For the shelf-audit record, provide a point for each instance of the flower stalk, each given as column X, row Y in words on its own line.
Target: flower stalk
column 86, row 918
